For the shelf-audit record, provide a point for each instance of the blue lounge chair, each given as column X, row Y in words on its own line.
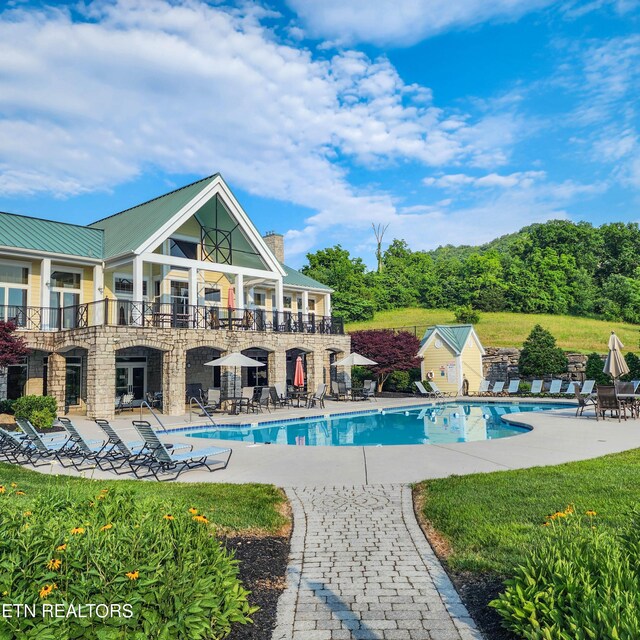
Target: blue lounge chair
column 536, row 387
column 498, row 388
column 514, row 385
column 554, row 387
column 39, row 447
column 572, row 387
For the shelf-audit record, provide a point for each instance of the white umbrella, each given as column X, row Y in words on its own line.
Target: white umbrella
column 234, row 360
column 615, row 365
column 354, row 359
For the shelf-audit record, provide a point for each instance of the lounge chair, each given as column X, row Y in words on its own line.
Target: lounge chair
column 317, row 397
column 437, row 393
column 79, row 450
column 158, row 459
column 14, row 446
column 587, row 387
column 554, row 387
column 422, row 391
column 498, row 388
column 41, row 447
column 608, row 401
column 536, row 387
column 584, row 402
column 514, row 385
column 572, row 387
column 483, row 388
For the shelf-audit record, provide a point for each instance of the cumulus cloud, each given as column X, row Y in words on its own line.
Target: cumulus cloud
column 523, row 179
column 402, row 22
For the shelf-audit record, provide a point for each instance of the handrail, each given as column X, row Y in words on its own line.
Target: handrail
column 153, row 413
column 204, row 411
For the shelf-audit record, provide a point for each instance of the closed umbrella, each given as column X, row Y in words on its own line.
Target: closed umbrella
column 298, row 376
column 615, row 365
column 231, row 298
column 234, row 360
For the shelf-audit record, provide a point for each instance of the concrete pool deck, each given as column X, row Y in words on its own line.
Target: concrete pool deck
column 556, row 436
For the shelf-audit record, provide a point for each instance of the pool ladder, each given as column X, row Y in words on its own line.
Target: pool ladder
column 202, row 408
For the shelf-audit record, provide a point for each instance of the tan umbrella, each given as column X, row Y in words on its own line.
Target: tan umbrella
column 615, row 365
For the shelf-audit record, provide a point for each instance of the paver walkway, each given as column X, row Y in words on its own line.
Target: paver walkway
column 361, row 568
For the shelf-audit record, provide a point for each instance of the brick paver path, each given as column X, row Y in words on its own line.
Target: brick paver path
column 361, row 568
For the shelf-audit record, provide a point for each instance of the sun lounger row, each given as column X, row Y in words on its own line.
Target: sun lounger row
column 149, row 457
column 555, row 388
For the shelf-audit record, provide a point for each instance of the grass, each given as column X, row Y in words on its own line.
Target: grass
column 246, row 508
column 501, row 329
column 490, row 521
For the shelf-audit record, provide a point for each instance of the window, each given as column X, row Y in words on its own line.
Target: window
column 212, row 295
column 183, row 249
column 14, row 275
column 65, row 280
column 287, row 302
column 259, row 299
column 312, row 304
column 125, row 285
column 299, row 303
column 16, row 380
column 13, row 293
column 73, row 381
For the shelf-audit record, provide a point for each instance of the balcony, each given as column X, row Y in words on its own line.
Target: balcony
column 175, row 315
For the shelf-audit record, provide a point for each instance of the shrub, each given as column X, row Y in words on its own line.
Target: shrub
column 39, row 410
column 466, row 314
column 579, row 583
column 70, row 546
column 6, row 406
column 594, row 369
column 540, row 356
column 398, row 381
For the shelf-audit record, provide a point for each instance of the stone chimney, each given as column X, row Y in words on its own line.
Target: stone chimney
column 275, row 242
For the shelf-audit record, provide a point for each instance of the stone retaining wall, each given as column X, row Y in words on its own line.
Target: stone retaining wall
column 501, row 363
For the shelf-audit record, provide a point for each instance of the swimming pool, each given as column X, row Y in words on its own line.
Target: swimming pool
column 433, row 424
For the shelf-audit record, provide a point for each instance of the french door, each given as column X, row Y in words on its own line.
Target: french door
column 131, row 377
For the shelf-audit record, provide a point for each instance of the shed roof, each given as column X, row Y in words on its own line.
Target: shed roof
column 295, row 278
column 455, row 335
column 37, row 234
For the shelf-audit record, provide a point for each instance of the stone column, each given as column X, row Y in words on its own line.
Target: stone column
column 101, row 380
column 174, row 364
column 315, row 362
column 3, row 383
column 277, row 365
column 56, row 378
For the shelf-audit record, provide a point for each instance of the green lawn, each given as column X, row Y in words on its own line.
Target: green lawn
column 503, row 329
column 491, row 520
column 233, row 508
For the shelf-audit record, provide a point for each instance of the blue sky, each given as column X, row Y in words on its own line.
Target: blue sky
column 453, row 121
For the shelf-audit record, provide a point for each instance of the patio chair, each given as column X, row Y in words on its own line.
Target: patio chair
column 160, row 460
column 422, row 391
column 436, row 393
column 536, row 387
column 211, row 402
column 339, row 390
column 513, row 387
column 584, row 402
column 498, row 388
column 483, row 388
column 39, row 447
column 276, row 400
column 263, row 400
column 282, row 393
column 608, row 401
column 124, row 403
column 369, row 389
column 317, row 397
column 554, row 387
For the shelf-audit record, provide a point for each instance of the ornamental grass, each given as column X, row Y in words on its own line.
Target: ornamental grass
column 76, row 546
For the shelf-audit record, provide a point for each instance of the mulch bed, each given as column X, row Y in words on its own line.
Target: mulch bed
column 263, row 564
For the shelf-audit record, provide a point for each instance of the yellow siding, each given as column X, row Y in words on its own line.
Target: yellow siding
column 87, row 284
column 33, row 297
column 472, row 365
column 437, row 360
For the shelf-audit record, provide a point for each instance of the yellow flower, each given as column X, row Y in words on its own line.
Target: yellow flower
column 102, row 496
column 168, row 517
column 106, row 527
column 45, row 592
column 54, row 564
column 193, row 511
column 27, row 513
column 2, row 489
column 62, row 547
column 200, row 519
column 590, row 513
column 104, row 490
column 133, row 575
column 546, row 524
column 77, row 531
column 20, row 493
column 14, row 485
column 569, row 509
column 92, row 504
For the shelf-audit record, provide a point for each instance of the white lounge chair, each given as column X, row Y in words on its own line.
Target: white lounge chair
column 536, row 387
column 437, row 393
column 498, row 388
column 422, row 391
column 554, row 387
column 483, row 389
column 514, row 385
column 572, row 387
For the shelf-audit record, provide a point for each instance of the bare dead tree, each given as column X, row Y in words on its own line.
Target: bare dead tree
column 379, row 232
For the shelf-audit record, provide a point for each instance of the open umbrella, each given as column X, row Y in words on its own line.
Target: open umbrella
column 298, row 376
column 234, row 360
column 615, row 365
column 354, row 359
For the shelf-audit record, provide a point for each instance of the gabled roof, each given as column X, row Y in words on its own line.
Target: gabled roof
column 124, row 232
column 455, row 335
column 37, row 234
column 295, row 278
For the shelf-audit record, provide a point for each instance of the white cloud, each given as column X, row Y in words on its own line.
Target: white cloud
column 521, row 179
column 402, row 22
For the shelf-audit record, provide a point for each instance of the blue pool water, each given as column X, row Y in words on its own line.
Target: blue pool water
column 440, row 424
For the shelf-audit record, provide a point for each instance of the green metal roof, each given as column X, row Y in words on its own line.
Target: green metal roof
column 126, row 231
column 294, row 278
column 454, row 334
column 46, row 235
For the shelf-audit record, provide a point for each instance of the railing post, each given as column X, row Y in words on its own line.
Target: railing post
column 105, row 319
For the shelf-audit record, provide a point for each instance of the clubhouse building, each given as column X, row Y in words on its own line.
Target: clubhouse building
column 138, row 302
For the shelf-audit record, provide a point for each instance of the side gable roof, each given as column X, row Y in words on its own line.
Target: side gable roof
column 455, row 335
column 24, row 232
column 124, row 232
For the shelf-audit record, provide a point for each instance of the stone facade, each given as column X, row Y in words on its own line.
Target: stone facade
column 168, row 352
column 502, row 364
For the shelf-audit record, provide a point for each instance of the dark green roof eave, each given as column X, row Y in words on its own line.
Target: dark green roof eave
column 455, row 335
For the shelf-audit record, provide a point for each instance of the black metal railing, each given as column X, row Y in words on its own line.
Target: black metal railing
column 176, row 315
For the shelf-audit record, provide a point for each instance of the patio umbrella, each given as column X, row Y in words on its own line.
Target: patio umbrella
column 615, row 365
column 234, row 360
column 231, row 298
column 354, row 359
column 298, row 376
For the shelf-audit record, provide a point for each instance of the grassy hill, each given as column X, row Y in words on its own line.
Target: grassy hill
column 581, row 335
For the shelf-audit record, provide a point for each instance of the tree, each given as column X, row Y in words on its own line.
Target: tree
column 540, row 356
column 594, row 369
column 12, row 347
column 379, row 232
column 393, row 351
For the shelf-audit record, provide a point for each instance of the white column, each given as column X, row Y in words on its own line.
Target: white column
column 240, row 291
column 45, row 279
column 305, row 302
column 98, row 295
column 327, row 304
column 136, row 311
column 279, row 295
column 252, row 297
column 193, row 286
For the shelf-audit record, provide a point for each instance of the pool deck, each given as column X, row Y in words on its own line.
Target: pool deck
column 557, row 436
